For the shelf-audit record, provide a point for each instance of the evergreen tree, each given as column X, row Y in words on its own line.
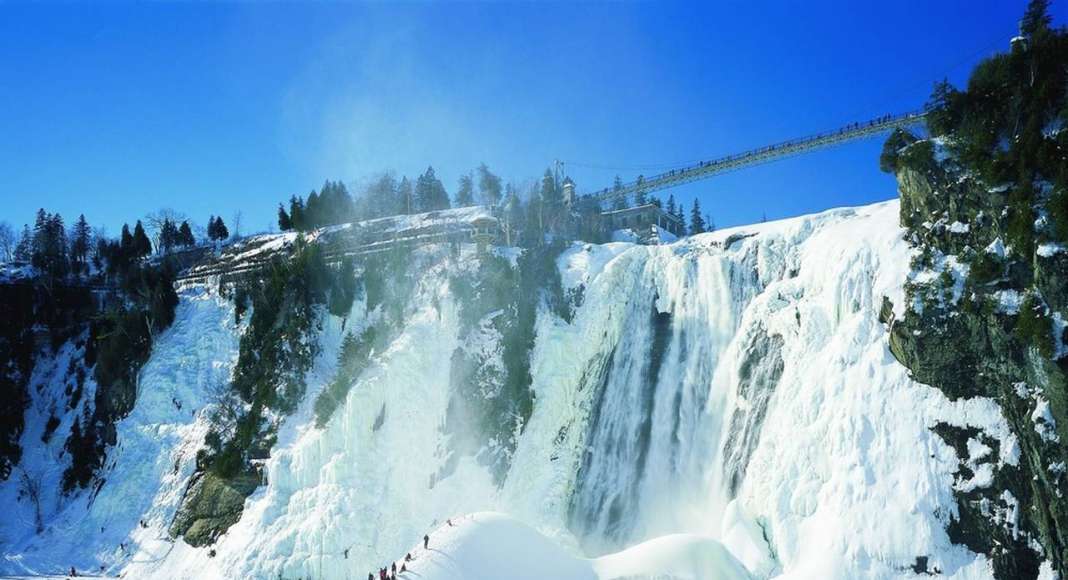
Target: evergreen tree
column 430, row 194
column 168, row 236
column 640, row 197
column 406, row 197
column 79, row 244
column 380, row 198
column 221, row 233
column 312, row 211
column 550, row 194
column 40, row 237
column 1036, row 19
column 334, row 204
column 513, row 214
column 671, row 207
column 697, row 222
column 126, row 243
column 24, row 249
column 465, row 191
column 141, row 244
column 296, row 214
column 489, row 186
column 620, row 200
column 552, row 203
column 50, row 245
column 284, row 223
column 185, row 235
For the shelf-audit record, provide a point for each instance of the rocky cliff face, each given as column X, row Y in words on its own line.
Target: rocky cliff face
column 986, row 319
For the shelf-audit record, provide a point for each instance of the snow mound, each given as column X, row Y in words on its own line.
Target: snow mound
column 490, row 546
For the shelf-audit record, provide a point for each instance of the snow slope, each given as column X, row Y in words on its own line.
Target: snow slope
column 487, row 546
column 718, row 407
column 147, row 470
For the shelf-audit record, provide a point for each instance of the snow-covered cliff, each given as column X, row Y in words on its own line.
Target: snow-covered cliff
column 724, row 406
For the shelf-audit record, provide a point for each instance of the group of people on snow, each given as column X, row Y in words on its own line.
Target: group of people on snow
column 391, row 572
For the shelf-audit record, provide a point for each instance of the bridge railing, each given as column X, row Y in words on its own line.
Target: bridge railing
column 705, row 169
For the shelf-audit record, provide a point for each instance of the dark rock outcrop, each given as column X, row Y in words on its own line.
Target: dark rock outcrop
column 978, row 323
column 212, row 504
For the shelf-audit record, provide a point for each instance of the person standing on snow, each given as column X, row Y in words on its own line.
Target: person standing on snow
column 426, row 542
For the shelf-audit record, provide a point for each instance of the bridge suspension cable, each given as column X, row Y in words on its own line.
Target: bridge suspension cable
column 706, row 169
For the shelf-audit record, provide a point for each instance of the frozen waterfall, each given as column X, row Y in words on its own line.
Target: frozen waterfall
column 724, row 401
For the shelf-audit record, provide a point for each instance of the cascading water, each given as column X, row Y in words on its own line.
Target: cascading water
column 732, row 385
column 655, row 427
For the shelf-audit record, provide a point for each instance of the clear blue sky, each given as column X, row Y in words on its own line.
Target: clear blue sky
column 119, row 109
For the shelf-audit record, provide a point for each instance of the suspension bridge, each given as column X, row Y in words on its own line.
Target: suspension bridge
column 767, row 154
column 382, row 234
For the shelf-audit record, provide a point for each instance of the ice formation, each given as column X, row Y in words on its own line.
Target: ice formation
column 725, row 406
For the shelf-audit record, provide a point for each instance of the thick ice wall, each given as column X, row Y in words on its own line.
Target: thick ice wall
column 847, row 479
column 364, row 485
column 742, row 373
column 774, row 385
column 148, row 468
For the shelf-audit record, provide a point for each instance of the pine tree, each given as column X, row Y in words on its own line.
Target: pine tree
column 79, row 244
column 406, row 196
column 185, row 235
column 40, row 238
column 126, row 243
column 296, row 214
column 24, row 249
column 671, row 207
column 1036, row 19
column 551, row 207
column 49, row 245
column 168, row 236
column 619, row 201
column 465, row 191
column 141, row 244
column 697, row 223
column 312, row 211
column 489, row 186
column 513, row 214
column 284, row 223
column 550, row 194
column 430, row 194
column 380, row 198
column 640, row 197
column 220, row 231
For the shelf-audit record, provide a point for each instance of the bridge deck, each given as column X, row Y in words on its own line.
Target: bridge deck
column 706, row 169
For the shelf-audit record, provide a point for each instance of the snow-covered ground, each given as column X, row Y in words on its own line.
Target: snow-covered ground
column 100, row 531
column 721, row 407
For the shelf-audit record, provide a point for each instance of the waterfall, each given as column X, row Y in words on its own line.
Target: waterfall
column 730, row 386
column 649, row 465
